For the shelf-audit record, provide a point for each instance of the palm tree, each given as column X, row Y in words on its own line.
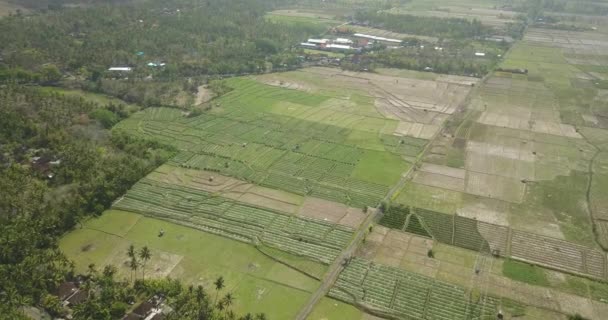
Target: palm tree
column 227, row 301
column 200, row 294
column 133, row 265
column 131, row 251
column 260, row 316
column 219, row 285
column 109, row 271
column 91, row 270
column 144, row 255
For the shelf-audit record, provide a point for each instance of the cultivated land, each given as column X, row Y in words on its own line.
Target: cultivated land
column 280, row 167
column 501, row 183
column 195, row 256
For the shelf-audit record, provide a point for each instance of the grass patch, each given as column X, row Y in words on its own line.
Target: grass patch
column 524, row 272
column 91, row 97
column 432, row 198
column 380, row 167
column 326, row 53
column 330, row 309
column 259, row 283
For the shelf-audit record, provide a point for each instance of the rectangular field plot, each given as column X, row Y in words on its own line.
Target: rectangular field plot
column 407, row 295
column 184, row 205
column 497, row 187
column 441, row 177
column 555, row 253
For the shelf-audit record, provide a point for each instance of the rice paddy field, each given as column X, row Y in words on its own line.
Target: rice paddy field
column 497, row 186
column 523, row 166
column 273, row 180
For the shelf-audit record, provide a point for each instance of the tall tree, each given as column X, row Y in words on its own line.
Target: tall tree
column 144, row 255
column 219, row 285
column 133, row 265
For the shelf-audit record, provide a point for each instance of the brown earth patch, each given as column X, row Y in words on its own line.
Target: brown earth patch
column 322, row 209
column 353, row 218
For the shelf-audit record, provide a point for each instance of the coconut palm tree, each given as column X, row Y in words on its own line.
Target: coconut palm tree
column 260, row 316
column 219, row 285
column 144, row 255
column 227, row 301
column 200, row 293
column 133, row 265
column 131, row 251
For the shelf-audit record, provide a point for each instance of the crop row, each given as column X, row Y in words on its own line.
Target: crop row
column 310, row 238
column 406, row 294
column 481, row 236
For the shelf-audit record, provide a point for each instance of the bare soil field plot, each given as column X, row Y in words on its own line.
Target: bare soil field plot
column 203, row 95
column 421, row 106
column 399, row 249
column 229, row 187
column 572, row 42
column 555, row 253
column 331, row 211
column 441, row 177
column 318, row 14
column 7, row 8
column 416, row 130
column 490, row 17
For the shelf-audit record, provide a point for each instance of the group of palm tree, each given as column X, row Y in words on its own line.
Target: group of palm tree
column 224, row 304
column 138, row 259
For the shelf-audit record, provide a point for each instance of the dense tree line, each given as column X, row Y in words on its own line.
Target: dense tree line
column 453, row 57
column 41, row 200
column 429, row 26
column 192, row 37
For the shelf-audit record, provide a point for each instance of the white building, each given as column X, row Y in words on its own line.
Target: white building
column 308, row 45
column 343, row 41
column 122, row 69
column 338, row 47
column 480, row 54
column 367, row 36
column 318, row 41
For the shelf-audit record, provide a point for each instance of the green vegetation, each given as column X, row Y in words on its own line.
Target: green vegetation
column 454, row 57
column 379, row 167
column 193, row 32
column 428, row 26
column 524, row 272
column 395, row 217
column 58, row 166
column 259, row 283
column 201, row 210
column 330, row 309
column 399, row 293
column 295, row 146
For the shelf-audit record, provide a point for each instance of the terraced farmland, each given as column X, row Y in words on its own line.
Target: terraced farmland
column 314, row 239
column 391, row 291
column 288, row 153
